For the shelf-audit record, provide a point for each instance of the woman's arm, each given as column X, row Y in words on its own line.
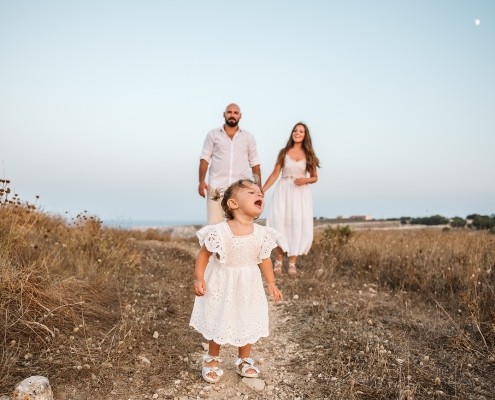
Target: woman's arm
column 272, row 178
column 313, row 177
column 267, row 270
column 199, row 271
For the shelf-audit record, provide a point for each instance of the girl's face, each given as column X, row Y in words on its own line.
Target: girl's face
column 298, row 134
column 248, row 200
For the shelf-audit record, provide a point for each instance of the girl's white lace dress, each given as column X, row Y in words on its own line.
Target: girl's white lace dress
column 291, row 210
column 234, row 309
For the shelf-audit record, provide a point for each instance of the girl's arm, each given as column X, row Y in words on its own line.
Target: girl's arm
column 199, row 271
column 267, row 270
column 272, row 178
column 313, row 177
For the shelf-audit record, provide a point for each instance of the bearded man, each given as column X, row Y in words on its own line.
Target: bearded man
column 230, row 153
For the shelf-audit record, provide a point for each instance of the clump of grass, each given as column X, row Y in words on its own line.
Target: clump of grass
column 58, row 289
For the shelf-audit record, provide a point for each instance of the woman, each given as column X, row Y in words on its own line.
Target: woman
column 291, row 209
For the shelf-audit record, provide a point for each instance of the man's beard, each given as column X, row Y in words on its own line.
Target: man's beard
column 232, row 124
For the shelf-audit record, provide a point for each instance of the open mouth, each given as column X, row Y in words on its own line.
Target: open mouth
column 258, row 203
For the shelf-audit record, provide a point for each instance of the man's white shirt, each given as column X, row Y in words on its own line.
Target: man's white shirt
column 229, row 159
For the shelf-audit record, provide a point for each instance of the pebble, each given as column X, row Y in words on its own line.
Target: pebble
column 155, row 335
column 295, row 297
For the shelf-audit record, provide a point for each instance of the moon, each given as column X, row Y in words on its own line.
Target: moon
column 477, row 21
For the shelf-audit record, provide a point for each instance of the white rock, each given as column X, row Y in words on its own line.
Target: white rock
column 5, row 398
column 144, row 360
column 254, row 383
column 155, row 335
column 295, row 297
column 34, row 388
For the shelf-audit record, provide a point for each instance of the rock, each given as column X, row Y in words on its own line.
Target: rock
column 254, row 383
column 5, row 398
column 155, row 335
column 144, row 360
column 33, row 388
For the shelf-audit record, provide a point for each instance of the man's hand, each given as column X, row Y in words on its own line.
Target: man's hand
column 202, row 188
column 199, row 287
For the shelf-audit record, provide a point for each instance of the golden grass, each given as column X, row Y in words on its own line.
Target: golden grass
column 381, row 315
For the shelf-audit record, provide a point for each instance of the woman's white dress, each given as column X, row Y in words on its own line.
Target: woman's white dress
column 234, row 309
column 291, row 210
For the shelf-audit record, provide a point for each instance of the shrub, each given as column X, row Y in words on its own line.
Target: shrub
column 483, row 222
column 340, row 234
column 433, row 220
column 458, row 222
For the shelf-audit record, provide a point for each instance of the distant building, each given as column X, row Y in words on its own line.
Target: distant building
column 342, row 217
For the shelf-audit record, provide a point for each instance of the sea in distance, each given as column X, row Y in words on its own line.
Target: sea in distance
column 133, row 223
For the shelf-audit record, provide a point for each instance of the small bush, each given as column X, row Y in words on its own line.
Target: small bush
column 458, row 222
column 433, row 220
column 483, row 222
column 340, row 234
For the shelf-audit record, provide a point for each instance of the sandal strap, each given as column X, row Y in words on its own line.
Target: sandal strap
column 239, row 361
column 216, row 370
column 209, row 358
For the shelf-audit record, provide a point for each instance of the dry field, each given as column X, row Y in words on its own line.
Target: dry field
column 377, row 315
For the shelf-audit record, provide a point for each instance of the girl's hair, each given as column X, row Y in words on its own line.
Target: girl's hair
column 311, row 160
column 231, row 191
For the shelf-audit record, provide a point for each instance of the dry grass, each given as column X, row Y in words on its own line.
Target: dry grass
column 58, row 292
column 377, row 315
column 388, row 312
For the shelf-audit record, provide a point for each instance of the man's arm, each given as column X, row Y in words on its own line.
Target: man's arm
column 253, row 159
column 203, row 167
column 257, row 171
column 204, row 161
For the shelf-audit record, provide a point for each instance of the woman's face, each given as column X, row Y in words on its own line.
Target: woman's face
column 298, row 134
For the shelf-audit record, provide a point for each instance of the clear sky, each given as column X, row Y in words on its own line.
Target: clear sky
column 104, row 105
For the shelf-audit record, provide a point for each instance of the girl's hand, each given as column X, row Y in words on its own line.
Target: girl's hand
column 273, row 290
column 300, row 181
column 199, row 287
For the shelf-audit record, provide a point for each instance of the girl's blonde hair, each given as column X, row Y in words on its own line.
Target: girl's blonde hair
column 312, row 161
column 226, row 195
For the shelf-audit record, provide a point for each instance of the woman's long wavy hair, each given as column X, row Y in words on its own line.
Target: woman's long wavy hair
column 312, row 161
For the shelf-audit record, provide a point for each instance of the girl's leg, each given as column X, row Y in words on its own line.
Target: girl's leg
column 279, row 253
column 292, row 265
column 244, row 352
column 213, row 350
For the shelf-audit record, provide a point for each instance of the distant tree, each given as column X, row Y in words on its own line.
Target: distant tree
column 458, row 222
column 404, row 220
column 433, row 220
column 472, row 216
column 483, row 222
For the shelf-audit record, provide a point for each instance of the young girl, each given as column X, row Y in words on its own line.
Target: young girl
column 291, row 210
column 231, row 305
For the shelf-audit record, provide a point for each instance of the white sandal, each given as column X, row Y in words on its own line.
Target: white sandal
column 206, row 370
column 249, row 365
column 277, row 268
column 292, row 269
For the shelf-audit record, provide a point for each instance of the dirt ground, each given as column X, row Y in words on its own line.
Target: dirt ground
column 338, row 340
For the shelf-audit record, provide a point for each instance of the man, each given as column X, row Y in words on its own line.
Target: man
column 231, row 154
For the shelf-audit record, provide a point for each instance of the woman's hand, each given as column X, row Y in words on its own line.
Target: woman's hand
column 274, row 292
column 199, row 287
column 300, row 181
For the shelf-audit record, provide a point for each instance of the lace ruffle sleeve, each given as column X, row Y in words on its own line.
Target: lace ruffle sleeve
column 268, row 242
column 210, row 238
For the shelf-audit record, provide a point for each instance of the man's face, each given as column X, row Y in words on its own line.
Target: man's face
column 232, row 115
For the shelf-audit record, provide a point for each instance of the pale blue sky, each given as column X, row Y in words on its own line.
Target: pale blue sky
column 104, row 105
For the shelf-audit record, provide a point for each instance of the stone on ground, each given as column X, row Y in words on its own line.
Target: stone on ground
column 33, row 388
column 254, row 383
